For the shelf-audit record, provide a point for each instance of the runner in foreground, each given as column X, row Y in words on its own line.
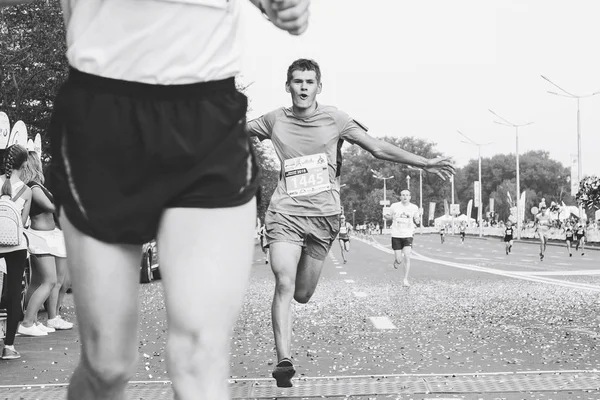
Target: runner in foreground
column 148, row 141
column 303, row 217
column 404, row 216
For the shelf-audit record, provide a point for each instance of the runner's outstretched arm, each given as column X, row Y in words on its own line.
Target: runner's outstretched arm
column 441, row 166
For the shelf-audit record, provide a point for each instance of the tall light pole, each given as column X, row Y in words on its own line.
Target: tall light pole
column 480, row 203
column 353, row 218
column 505, row 122
column 377, row 175
column 579, row 156
column 420, row 193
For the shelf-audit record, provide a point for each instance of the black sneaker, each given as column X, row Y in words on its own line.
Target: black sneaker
column 283, row 373
column 541, row 257
column 507, row 251
column 570, row 255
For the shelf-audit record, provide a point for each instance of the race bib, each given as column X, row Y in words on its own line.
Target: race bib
column 306, row 175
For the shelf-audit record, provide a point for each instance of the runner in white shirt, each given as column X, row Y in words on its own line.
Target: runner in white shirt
column 404, row 216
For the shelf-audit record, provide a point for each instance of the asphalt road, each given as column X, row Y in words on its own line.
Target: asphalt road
column 471, row 309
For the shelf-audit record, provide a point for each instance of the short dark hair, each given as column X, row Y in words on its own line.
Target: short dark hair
column 304, row 64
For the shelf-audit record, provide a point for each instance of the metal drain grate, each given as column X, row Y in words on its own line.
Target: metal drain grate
column 354, row 386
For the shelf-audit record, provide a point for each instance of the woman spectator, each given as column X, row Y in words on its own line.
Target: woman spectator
column 13, row 187
column 47, row 249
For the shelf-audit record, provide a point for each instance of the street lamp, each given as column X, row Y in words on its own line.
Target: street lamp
column 353, row 218
column 573, row 96
column 480, row 204
column 508, row 123
column 420, row 194
column 377, row 175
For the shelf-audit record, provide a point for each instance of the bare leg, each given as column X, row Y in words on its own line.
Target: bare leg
column 204, row 283
column 398, row 258
column 342, row 250
column 36, row 280
column 407, row 250
column 284, row 263
column 105, row 288
column 46, row 270
column 62, row 268
column 52, row 302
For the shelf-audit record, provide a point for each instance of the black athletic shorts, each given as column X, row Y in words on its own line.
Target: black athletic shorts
column 123, row 152
column 570, row 239
column 462, row 234
column 400, row 243
column 508, row 238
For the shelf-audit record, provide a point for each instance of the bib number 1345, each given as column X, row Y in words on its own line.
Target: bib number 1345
column 306, row 175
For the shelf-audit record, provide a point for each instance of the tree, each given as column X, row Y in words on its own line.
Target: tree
column 32, row 64
column 361, row 186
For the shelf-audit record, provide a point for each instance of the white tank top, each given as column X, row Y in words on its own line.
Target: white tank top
column 163, row 42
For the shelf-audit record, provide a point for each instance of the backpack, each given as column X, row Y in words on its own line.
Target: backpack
column 11, row 224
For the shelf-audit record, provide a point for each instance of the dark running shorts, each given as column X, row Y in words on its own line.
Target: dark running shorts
column 508, row 238
column 400, row 243
column 344, row 238
column 314, row 234
column 570, row 239
column 462, row 234
column 123, row 152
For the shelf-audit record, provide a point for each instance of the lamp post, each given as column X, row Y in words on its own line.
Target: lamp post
column 353, row 218
column 420, row 194
column 377, row 175
column 480, row 203
column 516, row 126
column 579, row 156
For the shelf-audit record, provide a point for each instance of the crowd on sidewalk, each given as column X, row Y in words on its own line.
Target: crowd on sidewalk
column 32, row 250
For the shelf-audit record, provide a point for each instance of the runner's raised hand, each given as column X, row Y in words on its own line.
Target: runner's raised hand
column 289, row 15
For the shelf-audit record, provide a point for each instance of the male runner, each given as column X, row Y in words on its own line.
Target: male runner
column 404, row 216
column 569, row 237
column 508, row 236
column 344, row 237
column 463, row 228
column 148, row 141
column 580, row 234
column 443, row 233
column 542, row 226
column 303, row 215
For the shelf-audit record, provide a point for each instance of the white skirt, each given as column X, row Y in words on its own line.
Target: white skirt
column 46, row 242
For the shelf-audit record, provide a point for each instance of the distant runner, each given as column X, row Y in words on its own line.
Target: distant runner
column 344, row 237
column 404, row 216
column 508, row 236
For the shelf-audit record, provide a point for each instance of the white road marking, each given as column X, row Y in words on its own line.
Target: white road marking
column 349, row 280
column 584, row 272
column 533, row 278
column 359, row 294
column 382, row 323
column 343, row 273
column 340, row 267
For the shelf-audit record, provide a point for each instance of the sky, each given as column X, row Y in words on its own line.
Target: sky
column 429, row 68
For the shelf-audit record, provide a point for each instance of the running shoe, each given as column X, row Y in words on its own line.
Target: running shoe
column 541, row 256
column 59, row 324
column 32, row 330
column 570, row 255
column 507, row 251
column 9, row 354
column 405, row 283
column 345, row 261
column 582, row 253
column 283, row 373
column 44, row 328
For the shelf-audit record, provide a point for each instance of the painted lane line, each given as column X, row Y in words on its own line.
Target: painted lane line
column 382, row 323
column 349, row 280
column 339, row 266
column 359, row 294
column 539, row 279
column 343, row 273
column 585, row 272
